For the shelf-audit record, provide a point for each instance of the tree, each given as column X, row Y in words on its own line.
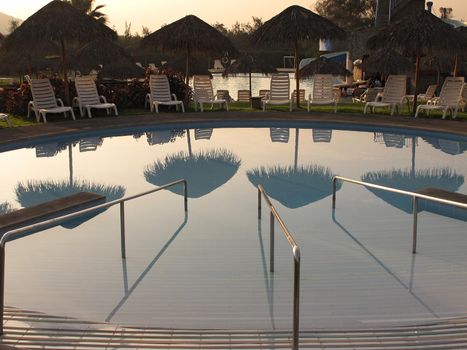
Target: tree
column 12, row 25
column 86, row 6
column 349, row 14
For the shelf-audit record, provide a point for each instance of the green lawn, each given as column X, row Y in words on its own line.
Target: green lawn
column 345, row 107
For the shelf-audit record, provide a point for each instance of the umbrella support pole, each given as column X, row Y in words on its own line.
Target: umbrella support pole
column 274, row 215
column 122, row 229
column 433, row 195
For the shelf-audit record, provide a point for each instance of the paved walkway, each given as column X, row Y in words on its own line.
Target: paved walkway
column 19, row 134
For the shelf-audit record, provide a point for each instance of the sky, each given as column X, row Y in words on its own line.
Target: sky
column 154, row 13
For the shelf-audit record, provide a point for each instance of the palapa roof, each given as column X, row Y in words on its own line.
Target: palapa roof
column 323, row 66
column 57, row 21
column 191, row 34
column 422, row 33
column 387, row 62
column 296, row 23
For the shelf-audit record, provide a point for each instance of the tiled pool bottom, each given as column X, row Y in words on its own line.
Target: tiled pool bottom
column 209, row 269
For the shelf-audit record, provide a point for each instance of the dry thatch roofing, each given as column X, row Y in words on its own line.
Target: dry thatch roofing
column 323, row 66
column 250, row 63
column 387, row 62
column 420, row 34
column 296, row 23
column 189, row 34
column 56, row 21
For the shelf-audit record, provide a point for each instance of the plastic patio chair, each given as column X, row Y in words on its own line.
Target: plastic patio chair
column 88, row 97
column 279, row 93
column 160, row 94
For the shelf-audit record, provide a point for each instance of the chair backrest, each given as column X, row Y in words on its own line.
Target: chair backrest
column 279, row 134
column 43, row 94
column 430, row 91
column 160, row 88
column 322, row 135
column 464, row 92
column 370, row 95
column 243, row 95
column 223, row 95
column 263, row 93
column 301, row 95
column 322, row 88
column 202, row 87
column 86, row 90
column 280, row 87
column 451, row 92
column 395, row 89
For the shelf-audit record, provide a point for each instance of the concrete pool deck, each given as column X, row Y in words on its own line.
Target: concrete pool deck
column 21, row 134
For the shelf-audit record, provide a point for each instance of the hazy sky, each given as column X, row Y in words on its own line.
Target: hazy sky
column 154, row 13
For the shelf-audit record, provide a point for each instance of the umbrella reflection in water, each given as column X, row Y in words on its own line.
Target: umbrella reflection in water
column 204, row 171
column 36, row 192
column 409, row 180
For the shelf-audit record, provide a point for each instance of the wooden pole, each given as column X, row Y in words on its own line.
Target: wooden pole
column 187, row 62
column 417, row 73
column 65, row 73
column 297, row 75
column 455, row 66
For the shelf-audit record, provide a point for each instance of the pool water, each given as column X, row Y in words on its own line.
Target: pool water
column 210, row 267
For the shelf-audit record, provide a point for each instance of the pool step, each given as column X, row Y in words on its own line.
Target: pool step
column 32, row 330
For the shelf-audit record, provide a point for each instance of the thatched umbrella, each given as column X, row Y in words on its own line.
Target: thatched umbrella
column 322, row 65
column 294, row 187
column 60, row 23
column 387, row 62
column 250, row 63
column 187, row 36
column 36, row 192
column 409, row 180
column 115, row 60
column 421, row 34
column 293, row 25
column 204, row 171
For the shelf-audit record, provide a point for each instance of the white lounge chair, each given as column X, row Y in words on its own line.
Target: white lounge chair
column 264, row 94
column 243, row 95
column 279, row 134
column 203, row 93
column 279, row 93
column 6, row 118
column 44, row 100
column 393, row 95
column 464, row 97
column 322, row 92
column 160, row 93
column 302, row 95
column 369, row 95
column 88, row 97
column 449, row 99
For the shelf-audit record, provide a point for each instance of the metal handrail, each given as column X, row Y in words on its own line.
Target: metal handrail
column 296, row 255
column 16, row 233
column 415, row 197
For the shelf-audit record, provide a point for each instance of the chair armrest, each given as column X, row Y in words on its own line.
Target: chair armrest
column 174, row 97
column 60, row 102
column 103, row 99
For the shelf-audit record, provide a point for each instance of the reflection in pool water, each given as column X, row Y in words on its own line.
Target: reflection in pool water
column 356, row 263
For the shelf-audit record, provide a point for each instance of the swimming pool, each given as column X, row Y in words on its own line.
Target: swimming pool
column 209, row 268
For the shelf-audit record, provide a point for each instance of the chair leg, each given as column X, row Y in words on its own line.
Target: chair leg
column 183, row 107
column 43, row 117
column 455, row 112
column 72, row 114
column 201, row 106
column 156, row 106
column 365, row 108
column 227, row 105
column 416, row 111
column 89, row 112
column 196, row 106
column 116, row 110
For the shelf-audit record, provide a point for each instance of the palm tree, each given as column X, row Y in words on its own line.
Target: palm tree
column 86, row 6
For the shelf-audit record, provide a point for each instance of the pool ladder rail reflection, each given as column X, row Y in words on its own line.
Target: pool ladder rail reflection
column 415, row 199
column 16, row 233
